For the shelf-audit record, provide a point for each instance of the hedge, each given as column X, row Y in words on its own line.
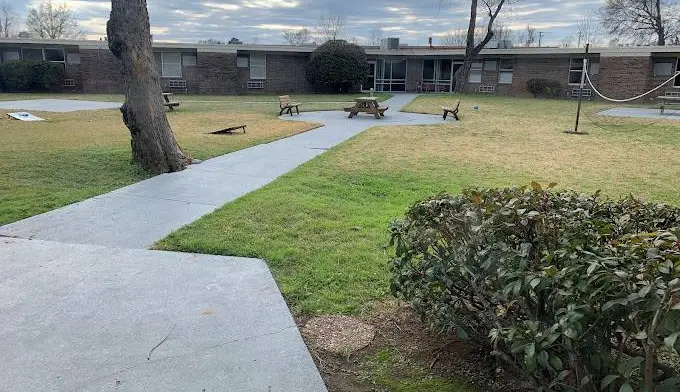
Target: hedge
column 30, row 76
column 570, row 291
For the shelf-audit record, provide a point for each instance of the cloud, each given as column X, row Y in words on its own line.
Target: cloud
column 264, row 20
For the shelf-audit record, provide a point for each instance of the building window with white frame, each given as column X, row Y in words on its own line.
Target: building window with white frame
column 576, row 69
column 168, row 64
column 258, row 66
column 10, row 55
column 476, row 72
column 505, row 71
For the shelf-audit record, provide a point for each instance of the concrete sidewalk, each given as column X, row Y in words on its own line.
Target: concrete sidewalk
column 84, row 318
column 138, row 215
column 82, row 303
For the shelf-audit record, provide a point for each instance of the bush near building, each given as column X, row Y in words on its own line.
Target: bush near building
column 30, row 76
column 544, row 88
column 571, row 291
column 337, row 66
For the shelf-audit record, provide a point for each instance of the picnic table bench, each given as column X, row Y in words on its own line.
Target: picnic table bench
column 287, row 105
column 167, row 103
column 670, row 98
column 367, row 105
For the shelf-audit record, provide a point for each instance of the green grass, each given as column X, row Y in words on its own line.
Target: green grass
column 73, row 156
column 323, row 227
column 390, row 371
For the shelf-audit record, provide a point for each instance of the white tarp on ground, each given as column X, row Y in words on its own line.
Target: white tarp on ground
column 58, row 105
column 25, row 116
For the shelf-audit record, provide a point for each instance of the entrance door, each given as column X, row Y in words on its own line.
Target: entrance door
column 370, row 80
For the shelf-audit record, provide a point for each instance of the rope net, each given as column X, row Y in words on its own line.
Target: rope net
column 629, row 99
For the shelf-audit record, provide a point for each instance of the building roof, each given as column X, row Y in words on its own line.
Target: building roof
column 405, row 50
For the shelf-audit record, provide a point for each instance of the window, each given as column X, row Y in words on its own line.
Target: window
column 54, row 55
column 73, row 58
column 576, row 69
column 242, row 62
column 168, row 64
column 490, row 65
column 10, row 55
column 188, row 60
column 32, row 54
column 172, row 65
column 476, row 72
column 677, row 69
column 505, row 71
column 391, row 75
column 258, row 66
column 664, row 68
column 437, row 75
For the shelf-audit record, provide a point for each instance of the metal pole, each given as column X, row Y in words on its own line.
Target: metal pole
column 583, row 82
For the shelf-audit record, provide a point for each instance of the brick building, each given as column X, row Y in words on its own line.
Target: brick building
column 243, row 69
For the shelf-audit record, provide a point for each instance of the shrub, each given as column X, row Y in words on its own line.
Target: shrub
column 337, row 65
column 19, row 76
column 573, row 292
column 544, row 87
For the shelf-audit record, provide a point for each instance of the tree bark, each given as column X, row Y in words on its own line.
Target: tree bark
column 154, row 147
column 472, row 50
column 660, row 29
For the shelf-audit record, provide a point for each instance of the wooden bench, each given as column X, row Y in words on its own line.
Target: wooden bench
column 228, row 131
column 671, row 98
column 287, row 105
column 167, row 103
column 453, row 111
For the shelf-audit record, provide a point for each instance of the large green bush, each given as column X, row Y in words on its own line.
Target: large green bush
column 544, row 88
column 571, row 291
column 31, row 76
column 337, row 66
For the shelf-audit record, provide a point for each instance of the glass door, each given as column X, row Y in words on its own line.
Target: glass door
column 370, row 79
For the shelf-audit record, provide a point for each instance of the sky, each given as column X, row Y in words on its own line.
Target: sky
column 263, row 21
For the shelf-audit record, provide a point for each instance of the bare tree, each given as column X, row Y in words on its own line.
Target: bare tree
column 375, row 36
column 502, row 32
column 567, row 41
column 211, row 41
column 297, row 37
column 8, row 19
column 644, row 21
column 491, row 9
column 454, row 38
column 330, row 26
column 587, row 31
column 153, row 144
column 527, row 37
column 54, row 21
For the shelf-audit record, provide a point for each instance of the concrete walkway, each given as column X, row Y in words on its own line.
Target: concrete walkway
column 58, row 105
column 138, row 215
column 669, row 114
column 85, row 307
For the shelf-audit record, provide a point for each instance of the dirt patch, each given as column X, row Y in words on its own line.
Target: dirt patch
column 338, row 334
column 399, row 330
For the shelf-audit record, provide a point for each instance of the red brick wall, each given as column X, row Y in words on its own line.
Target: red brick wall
column 214, row 73
column 100, row 72
column 625, row 77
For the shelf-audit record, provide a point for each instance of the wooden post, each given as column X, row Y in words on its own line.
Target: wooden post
column 580, row 93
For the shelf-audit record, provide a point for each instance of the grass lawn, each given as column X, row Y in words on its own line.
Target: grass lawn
column 323, row 227
column 77, row 155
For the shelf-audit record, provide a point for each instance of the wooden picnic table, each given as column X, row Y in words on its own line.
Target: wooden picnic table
column 366, row 105
column 170, row 105
column 668, row 99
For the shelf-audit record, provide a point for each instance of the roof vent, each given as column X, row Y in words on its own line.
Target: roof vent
column 389, row 44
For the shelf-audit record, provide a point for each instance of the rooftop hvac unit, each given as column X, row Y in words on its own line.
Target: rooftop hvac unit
column 389, row 44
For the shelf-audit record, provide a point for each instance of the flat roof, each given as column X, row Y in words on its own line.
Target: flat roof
column 632, row 51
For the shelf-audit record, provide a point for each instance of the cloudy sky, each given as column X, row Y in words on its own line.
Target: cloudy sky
column 262, row 21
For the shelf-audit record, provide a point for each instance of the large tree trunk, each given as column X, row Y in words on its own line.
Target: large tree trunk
column 471, row 50
column 153, row 144
column 660, row 29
